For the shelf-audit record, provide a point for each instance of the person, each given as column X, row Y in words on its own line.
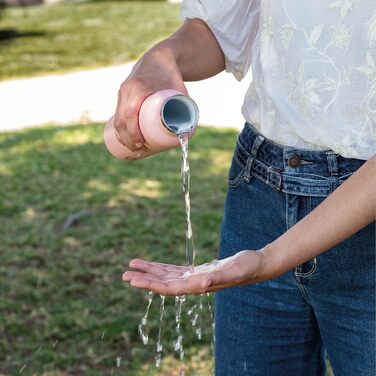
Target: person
column 296, row 270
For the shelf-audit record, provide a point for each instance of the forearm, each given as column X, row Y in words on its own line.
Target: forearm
column 348, row 209
column 194, row 49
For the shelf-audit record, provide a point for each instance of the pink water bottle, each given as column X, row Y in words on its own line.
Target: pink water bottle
column 163, row 116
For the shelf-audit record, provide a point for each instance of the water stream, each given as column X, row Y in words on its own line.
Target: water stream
column 195, row 312
column 190, row 251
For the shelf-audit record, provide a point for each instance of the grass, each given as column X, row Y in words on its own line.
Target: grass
column 65, row 37
column 65, row 286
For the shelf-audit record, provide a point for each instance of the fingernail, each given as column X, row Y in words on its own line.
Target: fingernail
column 139, row 145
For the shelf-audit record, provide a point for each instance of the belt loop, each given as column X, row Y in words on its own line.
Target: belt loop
column 333, row 170
column 254, row 150
column 332, row 163
column 256, row 144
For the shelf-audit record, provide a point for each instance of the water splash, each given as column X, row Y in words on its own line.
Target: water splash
column 22, row 368
column 178, row 343
column 142, row 327
column 195, row 314
column 118, row 361
column 158, row 356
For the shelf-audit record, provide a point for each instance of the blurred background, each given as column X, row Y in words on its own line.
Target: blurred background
column 71, row 216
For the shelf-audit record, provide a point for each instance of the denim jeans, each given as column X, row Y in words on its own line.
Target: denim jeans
column 285, row 326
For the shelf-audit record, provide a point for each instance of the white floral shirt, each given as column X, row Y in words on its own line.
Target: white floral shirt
column 313, row 65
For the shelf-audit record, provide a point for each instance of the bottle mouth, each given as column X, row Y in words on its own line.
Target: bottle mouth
column 179, row 114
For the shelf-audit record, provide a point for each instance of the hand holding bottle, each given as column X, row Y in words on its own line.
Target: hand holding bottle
column 155, row 71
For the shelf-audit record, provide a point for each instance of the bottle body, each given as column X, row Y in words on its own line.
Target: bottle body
column 163, row 115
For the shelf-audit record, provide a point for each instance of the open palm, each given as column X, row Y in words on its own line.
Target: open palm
column 168, row 279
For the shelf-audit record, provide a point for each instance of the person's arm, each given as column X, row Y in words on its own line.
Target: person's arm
column 192, row 53
column 348, row 209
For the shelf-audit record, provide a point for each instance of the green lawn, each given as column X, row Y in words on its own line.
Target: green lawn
column 63, row 37
column 65, row 286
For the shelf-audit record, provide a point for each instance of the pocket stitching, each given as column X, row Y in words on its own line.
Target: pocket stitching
column 233, row 183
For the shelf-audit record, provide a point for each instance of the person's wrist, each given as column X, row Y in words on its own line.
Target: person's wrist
column 270, row 264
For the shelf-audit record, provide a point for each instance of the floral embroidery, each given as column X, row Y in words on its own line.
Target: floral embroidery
column 345, row 6
column 286, row 33
column 315, row 34
column 341, row 36
column 303, row 91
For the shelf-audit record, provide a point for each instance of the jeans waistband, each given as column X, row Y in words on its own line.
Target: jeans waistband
column 292, row 170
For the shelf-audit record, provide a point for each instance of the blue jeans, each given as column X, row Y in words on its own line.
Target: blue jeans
column 284, row 327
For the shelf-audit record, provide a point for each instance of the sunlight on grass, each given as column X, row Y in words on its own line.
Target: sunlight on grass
column 4, row 170
column 142, row 188
column 73, row 138
column 98, row 185
column 30, row 213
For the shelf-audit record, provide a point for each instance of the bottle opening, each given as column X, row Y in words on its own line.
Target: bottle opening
column 180, row 114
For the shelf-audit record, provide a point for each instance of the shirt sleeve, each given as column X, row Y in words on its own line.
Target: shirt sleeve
column 234, row 23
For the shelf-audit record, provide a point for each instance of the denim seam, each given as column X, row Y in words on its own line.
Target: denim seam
column 286, row 211
column 309, row 205
column 302, row 291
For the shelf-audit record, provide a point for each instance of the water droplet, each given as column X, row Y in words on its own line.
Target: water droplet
column 22, row 368
column 118, row 361
column 199, row 333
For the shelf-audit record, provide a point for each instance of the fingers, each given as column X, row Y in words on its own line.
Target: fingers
column 181, row 268
column 130, row 98
column 128, row 276
column 157, row 268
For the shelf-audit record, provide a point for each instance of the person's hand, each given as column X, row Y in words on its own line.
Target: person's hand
column 165, row 279
column 156, row 70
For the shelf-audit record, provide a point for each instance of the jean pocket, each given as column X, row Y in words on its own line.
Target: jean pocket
column 236, row 173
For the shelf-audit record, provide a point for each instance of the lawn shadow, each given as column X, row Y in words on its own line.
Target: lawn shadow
column 7, row 35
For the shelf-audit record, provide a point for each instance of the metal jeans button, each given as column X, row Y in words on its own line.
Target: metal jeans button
column 294, row 161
